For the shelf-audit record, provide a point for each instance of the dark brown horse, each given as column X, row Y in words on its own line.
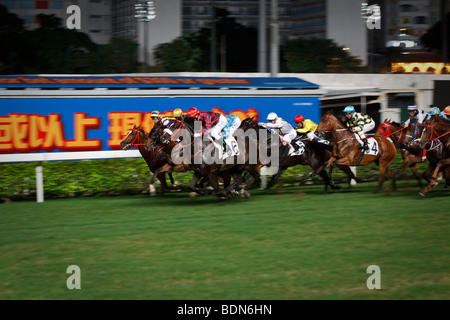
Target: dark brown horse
column 347, row 150
column 310, row 153
column 436, row 138
column 400, row 136
column 156, row 159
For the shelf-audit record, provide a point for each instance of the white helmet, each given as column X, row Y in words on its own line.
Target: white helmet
column 272, row 116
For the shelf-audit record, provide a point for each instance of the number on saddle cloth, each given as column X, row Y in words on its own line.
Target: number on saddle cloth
column 373, row 146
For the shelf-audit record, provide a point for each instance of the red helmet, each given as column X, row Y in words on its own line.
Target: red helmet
column 299, row 118
column 192, row 112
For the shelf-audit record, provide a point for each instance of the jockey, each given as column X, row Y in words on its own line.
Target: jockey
column 359, row 123
column 415, row 114
column 309, row 127
column 435, row 111
column 233, row 123
column 155, row 115
column 177, row 114
column 446, row 111
column 287, row 132
column 212, row 121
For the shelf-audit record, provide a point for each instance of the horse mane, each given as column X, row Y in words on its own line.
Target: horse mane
column 397, row 124
column 140, row 129
column 189, row 123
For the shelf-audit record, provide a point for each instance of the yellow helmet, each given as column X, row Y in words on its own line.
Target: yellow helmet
column 155, row 114
column 177, row 112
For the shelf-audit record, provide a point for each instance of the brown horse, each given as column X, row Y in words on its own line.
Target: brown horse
column 436, row 134
column 155, row 158
column 347, row 150
column 399, row 136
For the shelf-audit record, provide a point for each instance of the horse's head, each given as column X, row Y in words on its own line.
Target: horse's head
column 394, row 130
column 328, row 123
column 173, row 133
column 433, row 129
column 136, row 137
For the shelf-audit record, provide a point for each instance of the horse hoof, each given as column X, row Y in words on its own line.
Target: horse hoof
column 192, row 194
column 245, row 194
column 152, row 190
column 422, row 194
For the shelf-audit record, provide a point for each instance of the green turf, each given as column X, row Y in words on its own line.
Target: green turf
column 287, row 243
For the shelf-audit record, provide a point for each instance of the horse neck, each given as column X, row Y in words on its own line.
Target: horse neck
column 439, row 129
column 397, row 133
column 339, row 131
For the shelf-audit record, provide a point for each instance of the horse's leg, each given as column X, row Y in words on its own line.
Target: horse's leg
column 383, row 165
column 409, row 162
column 151, row 186
column 254, row 172
column 391, row 175
column 275, row 177
column 350, row 174
column 215, row 184
column 434, row 177
column 427, row 173
column 331, row 162
column 193, row 185
column 326, row 179
column 162, row 178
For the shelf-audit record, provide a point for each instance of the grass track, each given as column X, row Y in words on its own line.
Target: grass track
column 287, row 243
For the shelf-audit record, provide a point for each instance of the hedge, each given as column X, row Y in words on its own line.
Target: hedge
column 128, row 176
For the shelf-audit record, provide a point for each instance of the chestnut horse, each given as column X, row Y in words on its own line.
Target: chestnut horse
column 436, row 134
column 155, row 158
column 399, row 136
column 347, row 150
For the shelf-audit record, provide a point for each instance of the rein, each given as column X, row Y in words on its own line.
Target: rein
column 434, row 131
column 138, row 131
column 401, row 133
column 433, row 140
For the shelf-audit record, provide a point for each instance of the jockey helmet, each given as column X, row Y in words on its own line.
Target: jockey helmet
column 192, row 112
column 446, row 111
column 349, row 109
column 177, row 112
column 412, row 107
column 299, row 118
column 434, row 111
column 155, row 114
column 272, row 116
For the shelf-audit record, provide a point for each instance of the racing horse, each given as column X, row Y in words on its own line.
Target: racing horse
column 310, row 153
column 347, row 150
column 156, row 159
column 436, row 135
column 401, row 137
column 202, row 160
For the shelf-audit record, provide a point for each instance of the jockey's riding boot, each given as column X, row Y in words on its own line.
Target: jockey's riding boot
column 295, row 146
column 366, row 144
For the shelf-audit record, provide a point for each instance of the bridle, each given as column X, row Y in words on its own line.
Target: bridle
column 137, row 137
column 433, row 132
